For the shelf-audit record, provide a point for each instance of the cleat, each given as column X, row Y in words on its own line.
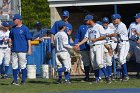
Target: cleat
column 5, row 76
column 59, row 81
column 85, row 79
column 108, row 80
column 67, row 82
column 96, row 81
column 126, row 78
column 22, row 83
column 14, row 83
column 112, row 78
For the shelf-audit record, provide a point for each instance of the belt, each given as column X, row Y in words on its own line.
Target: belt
column 96, row 44
column 121, row 41
column 61, row 51
column 124, row 40
column 132, row 40
column 3, row 47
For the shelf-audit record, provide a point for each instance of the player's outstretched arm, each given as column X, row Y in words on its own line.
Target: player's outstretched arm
column 111, row 35
column 82, row 42
column 76, row 47
column 98, row 39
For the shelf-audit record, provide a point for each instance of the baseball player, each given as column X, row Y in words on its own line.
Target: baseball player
column 108, row 41
column 69, row 32
column 40, row 33
column 121, row 34
column 20, row 45
column 55, row 28
column 134, row 30
column 62, row 46
column 95, row 36
column 84, row 49
column 5, row 50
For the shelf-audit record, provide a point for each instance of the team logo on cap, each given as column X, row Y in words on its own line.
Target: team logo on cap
column 65, row 13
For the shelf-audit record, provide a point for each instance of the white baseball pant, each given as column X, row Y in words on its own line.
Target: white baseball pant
column 65, row 58
column 19, row 59
column 107, row 58
column 6, row 55
column 96, row 54
column 123, row 51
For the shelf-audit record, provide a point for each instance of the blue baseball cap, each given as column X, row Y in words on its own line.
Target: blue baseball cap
column 99, row 22
column 17, row 16
column 69, row 27
column 38, row 24
column 5, row 24
column 11, row 23
column 105, row 20
column 137, row 15
column 61, row 24
column 65, row 13
column 88, row 17
column 116, row 16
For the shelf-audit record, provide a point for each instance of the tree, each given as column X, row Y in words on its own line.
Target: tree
column 35, row 11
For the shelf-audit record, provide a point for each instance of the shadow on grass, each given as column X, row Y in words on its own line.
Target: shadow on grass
column 42, row 82
column 3, row 84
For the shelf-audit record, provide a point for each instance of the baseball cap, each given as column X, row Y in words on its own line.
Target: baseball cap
column 116, row 16
column 69, row 27
column 5, row 24
column 38, row 24
column 61, row 24
column 137, row 15
column 17, row 16
column 99, row 22
column 105, row 20
column 88, row 17
column 65, row 13
column 11, row 23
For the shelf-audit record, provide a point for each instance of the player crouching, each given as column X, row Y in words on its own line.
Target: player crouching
column 62, row 54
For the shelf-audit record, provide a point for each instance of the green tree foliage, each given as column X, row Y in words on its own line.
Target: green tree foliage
column 35, row 11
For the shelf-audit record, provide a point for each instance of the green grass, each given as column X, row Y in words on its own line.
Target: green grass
column 44, row 85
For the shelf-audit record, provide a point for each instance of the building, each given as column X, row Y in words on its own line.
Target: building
column 8, row 8
column 99, row 8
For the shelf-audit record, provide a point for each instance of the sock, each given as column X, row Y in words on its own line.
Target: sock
column 124, row 69
column 86, row 68
column 96, row 74
column 0, row 69
column 100, row 73
column 6, row 70
column 15, row 74
column 104, row 71
column 109, row 70
column 67, row 75
column 24, row 74
column 60, row 70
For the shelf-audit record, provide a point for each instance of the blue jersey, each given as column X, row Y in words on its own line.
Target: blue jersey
column 39, row 34
column 20, row 37
column 55, row 28
column 80, row 34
